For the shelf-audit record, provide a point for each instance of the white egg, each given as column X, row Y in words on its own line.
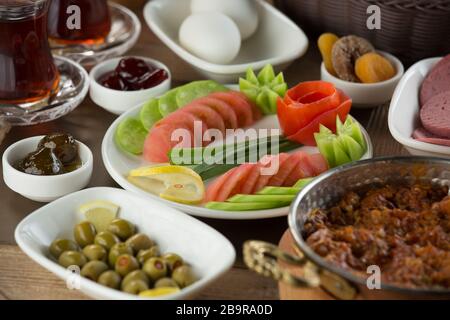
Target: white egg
column 243, row 12
column 211, row 36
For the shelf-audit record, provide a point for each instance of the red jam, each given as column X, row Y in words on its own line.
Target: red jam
column 132, row 74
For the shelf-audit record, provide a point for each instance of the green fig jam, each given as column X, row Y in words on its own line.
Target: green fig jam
column 56, row 154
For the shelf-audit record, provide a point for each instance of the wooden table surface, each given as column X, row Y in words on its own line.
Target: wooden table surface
column 20, row 278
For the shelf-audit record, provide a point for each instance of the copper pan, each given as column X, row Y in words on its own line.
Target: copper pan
column 325, row 190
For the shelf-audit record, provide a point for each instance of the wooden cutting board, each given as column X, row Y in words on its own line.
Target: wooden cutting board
column 290, row 293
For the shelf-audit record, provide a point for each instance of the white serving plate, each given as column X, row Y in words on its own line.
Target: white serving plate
column 119, row 164
column 404, row 111
column 209, row 253
column 278, row 40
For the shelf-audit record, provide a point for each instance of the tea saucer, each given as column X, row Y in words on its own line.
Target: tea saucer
column 73, row 88
column 125, row 30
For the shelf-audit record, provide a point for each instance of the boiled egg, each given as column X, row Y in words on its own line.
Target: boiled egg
column 243, row 12
column 211, row 36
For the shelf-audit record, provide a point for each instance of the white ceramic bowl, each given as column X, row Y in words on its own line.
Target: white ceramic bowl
column 368, row 95
column 209, row 253
column 404, row 111
column 44, row 188
column 277, row 41
column 116, row 101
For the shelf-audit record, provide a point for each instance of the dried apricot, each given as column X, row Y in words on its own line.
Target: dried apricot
column 344, row 54
column 372, row 68
column 326, row 42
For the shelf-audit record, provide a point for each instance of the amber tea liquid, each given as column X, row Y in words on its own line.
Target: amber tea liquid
column 27, row 70
column 92, row 16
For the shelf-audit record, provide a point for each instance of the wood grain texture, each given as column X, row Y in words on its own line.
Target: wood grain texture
column 383, row 142
column 21, row 278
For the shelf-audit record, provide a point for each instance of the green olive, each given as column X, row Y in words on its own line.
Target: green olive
column 184, row 276
column 155, row 268
column 61, row 245
column 72, row 258
column 173, row 261
column 110, row 279
column 122, row 228
column 135, row 287
column 84, row 233
column 125, row 264
column 135, row 275
column 95, row 252
column 140, row 242
column 144, row 255
column 106, row 239
column 166, row 283
column 117, row 250
column 93, row 269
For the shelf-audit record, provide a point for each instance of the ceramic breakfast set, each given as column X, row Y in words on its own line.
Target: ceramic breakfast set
column 143, row 241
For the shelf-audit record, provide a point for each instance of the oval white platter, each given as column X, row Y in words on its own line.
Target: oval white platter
column 119, row 164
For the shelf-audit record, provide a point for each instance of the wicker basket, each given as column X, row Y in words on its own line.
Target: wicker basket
column 410, row 29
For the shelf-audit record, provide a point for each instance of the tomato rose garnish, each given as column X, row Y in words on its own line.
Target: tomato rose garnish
column 308, row 105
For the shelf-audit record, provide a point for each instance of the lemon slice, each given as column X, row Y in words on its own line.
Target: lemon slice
column 158, row 292
column 100, row 213
column 173, row 183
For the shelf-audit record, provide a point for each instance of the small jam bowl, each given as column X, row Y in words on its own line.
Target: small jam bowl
column 116, row 101
column 368, row 95
column 44, row 188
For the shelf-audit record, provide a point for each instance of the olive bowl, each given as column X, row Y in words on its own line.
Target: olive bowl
column 208, row 252
column 44, row 188
column 326, row 190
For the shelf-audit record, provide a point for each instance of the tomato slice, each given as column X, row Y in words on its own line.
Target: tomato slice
column 234, row 183
column 306, row 134
column 286, row 169
column 318, row 163
column 267, row 162
column 159, row 141
column 305, row 102
column 241, row 107
column 302, row 170
column 251, row 180
column 300, row 92
column 213, row 189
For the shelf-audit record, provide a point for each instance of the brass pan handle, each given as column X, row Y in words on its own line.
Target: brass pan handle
column 262, row 257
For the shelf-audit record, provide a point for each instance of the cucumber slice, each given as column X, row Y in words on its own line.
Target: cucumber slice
column 150, row 114
column 228, row 206
column 341, row 157
column 197, row 89
column 303, row 182
column 325, row 143
column 352, row 148
column 168, row 102
column 352, row 129
column 130, row 136
column 243, row 198
column 264, row 89
column 279, row 191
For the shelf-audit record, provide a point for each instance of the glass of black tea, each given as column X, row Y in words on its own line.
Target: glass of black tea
column 79, row 21
column 27, row 70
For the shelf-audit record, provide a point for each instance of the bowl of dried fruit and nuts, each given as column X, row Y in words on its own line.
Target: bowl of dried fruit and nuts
column 353, row 65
